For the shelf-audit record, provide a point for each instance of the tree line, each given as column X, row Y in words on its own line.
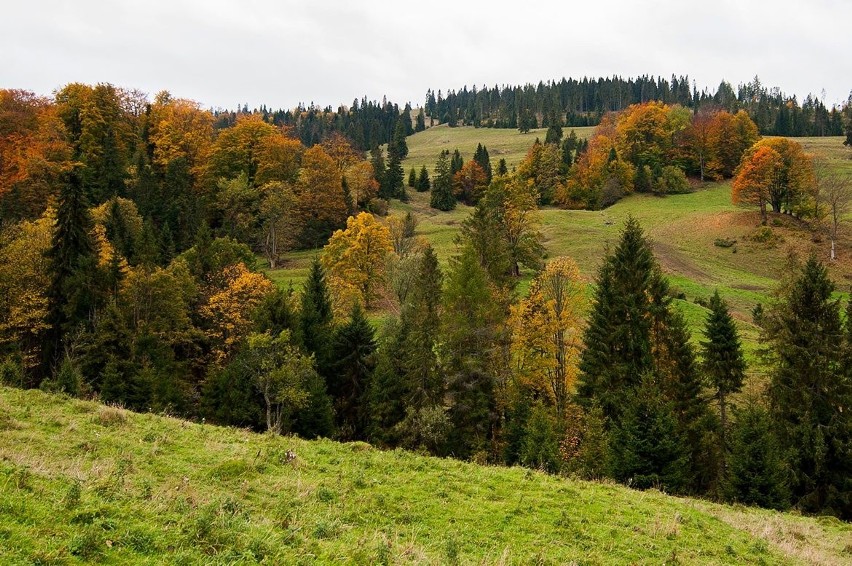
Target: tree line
column 584, row 102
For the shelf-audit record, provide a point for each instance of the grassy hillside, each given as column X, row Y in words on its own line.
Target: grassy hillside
column 85, row 483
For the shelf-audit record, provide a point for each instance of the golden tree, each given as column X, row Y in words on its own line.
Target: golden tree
column 355, row 261
column 547, row 332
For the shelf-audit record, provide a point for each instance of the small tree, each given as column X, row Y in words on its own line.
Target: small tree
column 423, row 180
column 281, row 373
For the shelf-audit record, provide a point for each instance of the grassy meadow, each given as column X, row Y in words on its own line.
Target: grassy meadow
column 86, row 483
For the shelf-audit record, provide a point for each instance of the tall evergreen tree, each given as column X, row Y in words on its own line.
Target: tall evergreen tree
column 315, row 318
column 456, row 162
column 634, row 339
column 481, row 157
column 71, row 256
column 756, row 473
column 423, row 184
column 442, row 196
column 353, row 352
column 377, row 160
column 723, row 363
column 420, row 123
column 412, row 178
column 810, row 393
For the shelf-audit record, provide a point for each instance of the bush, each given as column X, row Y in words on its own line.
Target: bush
column 672, row 181
column 11, row 373
column 724, row 242
column 378, row 206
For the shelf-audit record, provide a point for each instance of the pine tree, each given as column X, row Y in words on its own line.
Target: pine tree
column 502, row 169
column 377, row 160
column 456, row 163
column 395, row 175
column 423, row 184
column 756, row 474
column 353, row 352
column 420, row 124
column 634, row 339
column 412, row 178
column 442, row 188
column 481, row 157
column 70, row 258
column 810, row 391
column 315, row 318
column 723, row 362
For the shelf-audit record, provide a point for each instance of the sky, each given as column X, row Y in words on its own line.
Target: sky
column 329, row 52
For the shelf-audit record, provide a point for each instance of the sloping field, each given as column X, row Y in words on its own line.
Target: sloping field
column 86, row 483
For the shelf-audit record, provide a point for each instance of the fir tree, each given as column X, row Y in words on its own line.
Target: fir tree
column 315, row 318
column 756, row 474
column 353, row 352
column 394, row 176
column 481, row 157
column 420, row 123
column 377, row 160
column 442, row 196
column 412, row 178
column 723, row 362
column 456, row 163
column 502, row 169
column 423, row 184
column 810, row 392
column 70, row 257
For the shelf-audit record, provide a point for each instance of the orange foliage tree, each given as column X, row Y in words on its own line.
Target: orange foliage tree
column 754, row 177
column 320, row 202
column 469, row 183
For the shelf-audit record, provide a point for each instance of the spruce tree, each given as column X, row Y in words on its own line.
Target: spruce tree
column 456, row 163
column 481, row 157
column 423, row 184
column 810, row 393
column 412, row 178
column 377, row 160
column 420, row 124
column 353, row 352
column 315, row 318
column 502, row 169
column 442, row 196
column 756, row 473
column 723, row 362
column 634, row 332
column 70, row 256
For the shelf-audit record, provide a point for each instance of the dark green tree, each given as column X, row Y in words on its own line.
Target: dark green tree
column 377, row 160
column 810, row 392
column 456, row 163
column 481, row 157
column 412, row 178
column 469, row 337
column 420, row 122
column 315, row 330
column 423, row 184
column 71, row 264
column 442, row 196
column 722, row 361
column 502, row 169
column 756, row 473
column 353, row 352
column 554, row 134
column 647, row 449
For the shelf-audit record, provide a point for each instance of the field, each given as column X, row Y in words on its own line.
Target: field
column 86, row 483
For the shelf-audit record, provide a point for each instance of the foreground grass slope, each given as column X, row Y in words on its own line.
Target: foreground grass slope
column 81, row 482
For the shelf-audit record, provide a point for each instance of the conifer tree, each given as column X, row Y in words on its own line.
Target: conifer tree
column 353, row 355
column 315, row 317
column 468, row 338
column 456, row 162
column 423, row 184
column 634, row 339
column 412, row 178
column 810, row 393
column 481, row 157
column 756, row 473
column 502, row 169
column 420, row 123
column 442, row 196
column 723, row 362
column 377, row 160
column 70, row 256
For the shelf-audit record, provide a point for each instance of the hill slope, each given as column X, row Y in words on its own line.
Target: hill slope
column 81, row 482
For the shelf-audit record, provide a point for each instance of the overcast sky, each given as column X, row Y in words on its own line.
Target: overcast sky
column 223, row 53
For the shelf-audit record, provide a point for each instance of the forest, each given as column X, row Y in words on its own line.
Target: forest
column 134, row 235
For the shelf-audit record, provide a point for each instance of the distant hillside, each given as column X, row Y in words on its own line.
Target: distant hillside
column 86, row 483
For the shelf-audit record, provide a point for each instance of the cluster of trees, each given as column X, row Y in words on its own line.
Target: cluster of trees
column 572, row 102
column 366, row 123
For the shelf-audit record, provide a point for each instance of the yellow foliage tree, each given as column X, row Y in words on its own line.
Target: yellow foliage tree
column 228, row 309
column 355, row 261
column 547, row 332
column 180, row 129
column 24, row 280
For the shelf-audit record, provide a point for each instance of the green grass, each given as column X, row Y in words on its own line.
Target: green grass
column 511, row 145
column 85, row 483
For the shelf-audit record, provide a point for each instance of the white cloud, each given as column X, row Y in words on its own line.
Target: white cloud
column 329, row 52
